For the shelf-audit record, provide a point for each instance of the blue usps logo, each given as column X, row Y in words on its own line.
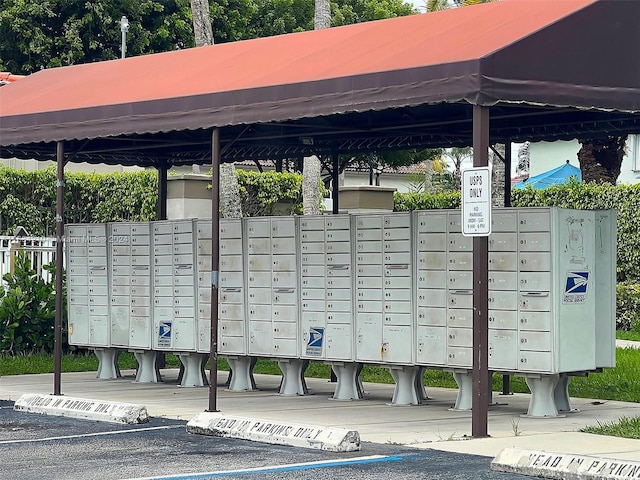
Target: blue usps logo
column 164, row 334
column 316, row 335
column 575, row 289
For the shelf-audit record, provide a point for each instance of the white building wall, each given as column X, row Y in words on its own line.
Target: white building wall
column 548, row 155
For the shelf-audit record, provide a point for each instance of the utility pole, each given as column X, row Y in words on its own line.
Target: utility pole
column 124, row 28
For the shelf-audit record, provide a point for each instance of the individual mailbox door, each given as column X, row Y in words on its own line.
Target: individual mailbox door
column 432, row 345
column 503, row 350
column 396, row 345
column 339, row 341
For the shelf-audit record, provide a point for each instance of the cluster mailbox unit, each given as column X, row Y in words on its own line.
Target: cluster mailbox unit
column 389, row 289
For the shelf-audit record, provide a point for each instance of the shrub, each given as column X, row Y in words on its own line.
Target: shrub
column 27, row 309
column 628, row 307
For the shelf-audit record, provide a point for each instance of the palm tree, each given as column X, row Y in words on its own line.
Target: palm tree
column 229, row 188
column 600, row 159
column 312, row 166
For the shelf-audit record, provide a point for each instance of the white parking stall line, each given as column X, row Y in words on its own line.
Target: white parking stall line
column 84, row 435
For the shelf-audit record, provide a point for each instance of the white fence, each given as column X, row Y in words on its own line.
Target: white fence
column 40, row 251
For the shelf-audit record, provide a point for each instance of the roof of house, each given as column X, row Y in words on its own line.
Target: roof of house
column 7, row 78
column 553, row 69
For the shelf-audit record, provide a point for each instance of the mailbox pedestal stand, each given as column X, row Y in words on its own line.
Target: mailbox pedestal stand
column 292, row 376
column 193, row 375
column 241, row 374
column 147, row 369
column 348, row 386
column 107, row 363
column 405, row 392
column 542, row 403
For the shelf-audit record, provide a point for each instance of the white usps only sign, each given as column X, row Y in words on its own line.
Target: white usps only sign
column 476, row 202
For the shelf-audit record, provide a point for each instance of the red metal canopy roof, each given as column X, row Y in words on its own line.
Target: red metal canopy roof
column 562, row 53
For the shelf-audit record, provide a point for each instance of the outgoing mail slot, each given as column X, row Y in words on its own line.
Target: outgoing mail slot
column 231, row 295
column 535, row 301
column 183, row 269
column 287, row 296
column 460, row 299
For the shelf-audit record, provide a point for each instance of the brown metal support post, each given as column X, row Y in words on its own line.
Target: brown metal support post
column 162, row 215
column 335, row 174
column 480, row 372
column 57, row 326
column 215, row 267
column 162, row 190
column 506, row 387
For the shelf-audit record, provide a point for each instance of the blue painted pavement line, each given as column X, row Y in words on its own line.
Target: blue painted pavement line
column 279, row 468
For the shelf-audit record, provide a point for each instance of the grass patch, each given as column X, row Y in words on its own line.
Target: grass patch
column 619, row 383
column 626, row 428
column 631, row 335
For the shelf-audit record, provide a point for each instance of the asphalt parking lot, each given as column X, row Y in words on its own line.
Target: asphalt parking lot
column 48, row 447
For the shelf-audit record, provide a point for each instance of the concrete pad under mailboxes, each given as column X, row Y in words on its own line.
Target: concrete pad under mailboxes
column 278, row 433
column 83, row 408
column 538, row 463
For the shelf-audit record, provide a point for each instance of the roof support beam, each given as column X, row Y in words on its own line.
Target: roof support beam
column 215, row 266
column 480, row 372
column 57, row 327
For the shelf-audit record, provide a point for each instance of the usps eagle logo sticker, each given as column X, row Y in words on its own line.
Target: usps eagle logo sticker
column 315, row 341
column 575, row 289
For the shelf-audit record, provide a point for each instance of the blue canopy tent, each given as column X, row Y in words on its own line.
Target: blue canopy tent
column 556, row 176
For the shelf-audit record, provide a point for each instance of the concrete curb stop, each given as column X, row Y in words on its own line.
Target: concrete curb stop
column 278, row 433
column 538, row 463
column 98, row 410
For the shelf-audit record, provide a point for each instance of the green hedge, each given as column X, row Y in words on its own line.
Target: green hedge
column 628, row 307
column 28, row 198
column 624, row 198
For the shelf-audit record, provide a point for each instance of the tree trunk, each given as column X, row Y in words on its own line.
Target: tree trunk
column 600, row 159
column 322, row 14
column 497, row 176
column 201, row 22
column 312, row 167
column 524, row 160
column 311, row 186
